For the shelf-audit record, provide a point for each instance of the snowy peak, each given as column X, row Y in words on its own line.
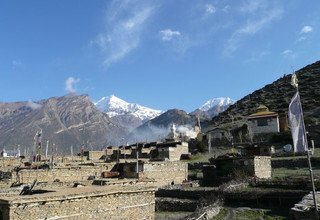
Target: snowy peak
column 213, row 107
column 221, row 101
column 114, row 106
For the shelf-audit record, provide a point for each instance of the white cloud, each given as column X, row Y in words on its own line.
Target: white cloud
column 301, row 39
column 289, row 54
column 33, row 105
column 126, row 20
column 178, row 42
column 306, row 29
column 210, row 9
column 169, row 34
column 251, row 27
column 70, row 84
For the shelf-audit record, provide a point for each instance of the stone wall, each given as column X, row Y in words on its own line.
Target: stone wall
column 258, row 166
column 75, row 203
column 63, row 174
column 262, row 167
column 96, row 155
column 7, row 163
column 165, row 173
column 176, row 152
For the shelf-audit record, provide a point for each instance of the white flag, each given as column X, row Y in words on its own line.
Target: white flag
column 294, row 80
column 297, row 127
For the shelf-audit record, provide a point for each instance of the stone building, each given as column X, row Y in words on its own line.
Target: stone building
column 162, row 173
column 171, row 151
column 94, row 155
column 263, row 121
column 216, row 133
column 224, row 169
column 88, row 202
column 161, row 151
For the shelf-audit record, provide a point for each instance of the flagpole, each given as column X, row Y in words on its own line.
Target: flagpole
column 295, row 84
column 313, row 187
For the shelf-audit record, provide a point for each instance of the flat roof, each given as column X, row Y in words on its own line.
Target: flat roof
column 263, row 114
column 70, row 193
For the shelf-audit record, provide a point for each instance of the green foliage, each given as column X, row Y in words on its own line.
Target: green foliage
column 222, row 214
column 251, row 214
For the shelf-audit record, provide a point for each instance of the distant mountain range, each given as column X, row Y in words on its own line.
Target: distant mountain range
column 76, row 121
column 128, row 115
column 114, row 106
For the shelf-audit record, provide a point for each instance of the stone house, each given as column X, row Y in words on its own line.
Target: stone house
column 161, row 172
column 225, row 169
column 216, row 133
column 170, row 151
column 263, row 121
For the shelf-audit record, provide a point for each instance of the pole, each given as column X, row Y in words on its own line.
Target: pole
column 209, row 143
column 137, row 166
column 313, row 187
column 47, row 146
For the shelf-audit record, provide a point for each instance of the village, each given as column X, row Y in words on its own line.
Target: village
column 141, row 180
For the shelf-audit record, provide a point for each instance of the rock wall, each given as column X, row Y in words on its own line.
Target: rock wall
column 63, row 174
column 8, row 163
column 123, row 204
column 166, row 173
column 176, row 152
column 262, row 167
column 96, row 155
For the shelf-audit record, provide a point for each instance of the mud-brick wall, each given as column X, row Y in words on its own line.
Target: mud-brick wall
column 122, row 205
column 59, row 174
column 176, row 152
column 96, row 155
column 8, row 163
column 262, row 166
column 164, row 173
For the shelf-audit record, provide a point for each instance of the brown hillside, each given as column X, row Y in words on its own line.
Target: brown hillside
column 277, row 96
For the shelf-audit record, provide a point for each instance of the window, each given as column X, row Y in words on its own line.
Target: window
column 262, row 122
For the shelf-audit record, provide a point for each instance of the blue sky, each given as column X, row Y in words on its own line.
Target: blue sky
column 158, row 53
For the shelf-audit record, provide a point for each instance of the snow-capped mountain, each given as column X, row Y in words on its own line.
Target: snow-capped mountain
column 114, row 106
column 213, row 107
column 221, row 101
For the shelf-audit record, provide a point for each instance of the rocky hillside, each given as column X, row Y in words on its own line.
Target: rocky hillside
column 65, row 121
column 277, row 96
